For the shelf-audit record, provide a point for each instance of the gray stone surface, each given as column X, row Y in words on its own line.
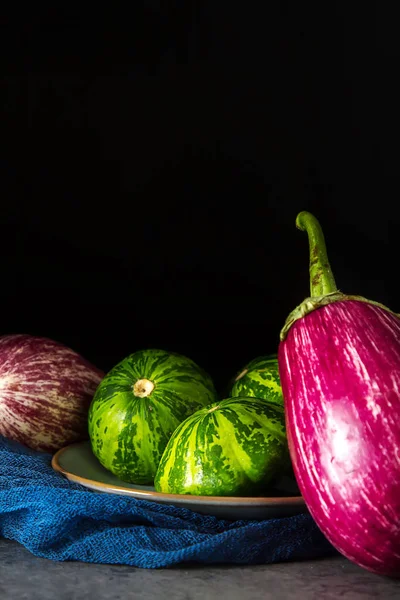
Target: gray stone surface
column 26, row 577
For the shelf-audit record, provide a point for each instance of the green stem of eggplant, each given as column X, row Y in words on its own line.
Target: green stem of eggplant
column 321, row 278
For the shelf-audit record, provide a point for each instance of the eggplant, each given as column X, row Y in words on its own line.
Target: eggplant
column 45, row 392
column 339, row 365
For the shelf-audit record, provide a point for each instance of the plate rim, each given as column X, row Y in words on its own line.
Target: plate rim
column 160, row 496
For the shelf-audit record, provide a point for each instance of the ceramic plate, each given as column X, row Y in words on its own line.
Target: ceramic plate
column 77, row 463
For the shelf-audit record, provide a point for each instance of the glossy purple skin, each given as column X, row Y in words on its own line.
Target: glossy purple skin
column 45, row 392
column 340, row 373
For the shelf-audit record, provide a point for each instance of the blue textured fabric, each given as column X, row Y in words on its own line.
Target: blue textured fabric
column 59, row 520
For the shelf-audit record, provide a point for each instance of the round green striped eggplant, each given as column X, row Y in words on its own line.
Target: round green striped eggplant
column 137, row 407
column 233, row 448
column 259, row 379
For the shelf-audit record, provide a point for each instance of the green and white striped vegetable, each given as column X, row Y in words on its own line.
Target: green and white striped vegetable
column 137, row 407
column 233, row 448
column 259, row 379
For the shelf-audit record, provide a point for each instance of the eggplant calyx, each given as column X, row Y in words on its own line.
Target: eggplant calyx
column 314, row 302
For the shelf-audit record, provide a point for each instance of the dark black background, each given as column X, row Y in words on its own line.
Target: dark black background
column 153, row 163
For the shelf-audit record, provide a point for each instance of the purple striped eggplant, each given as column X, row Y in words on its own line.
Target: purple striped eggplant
column 339, row 365
column 45, row 392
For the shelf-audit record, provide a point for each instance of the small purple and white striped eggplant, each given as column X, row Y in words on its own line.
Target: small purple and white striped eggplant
column 45, row 392
column 339, row 364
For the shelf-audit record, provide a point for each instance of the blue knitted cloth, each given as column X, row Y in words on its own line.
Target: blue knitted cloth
column 59, row 520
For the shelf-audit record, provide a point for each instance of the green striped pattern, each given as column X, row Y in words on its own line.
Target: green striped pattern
column 128, row 434
column 233, row 448
column 259, row 379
